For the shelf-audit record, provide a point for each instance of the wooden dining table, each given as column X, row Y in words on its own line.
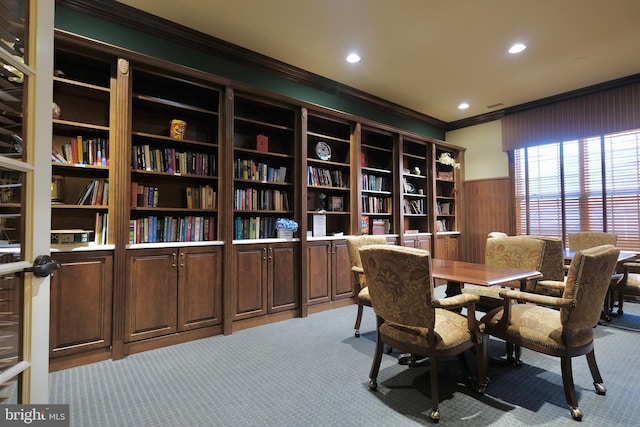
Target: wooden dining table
column 457, row 273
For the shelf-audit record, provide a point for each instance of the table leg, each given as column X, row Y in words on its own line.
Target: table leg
column 453, row 289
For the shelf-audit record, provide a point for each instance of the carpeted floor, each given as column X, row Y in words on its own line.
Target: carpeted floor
column 314, row 372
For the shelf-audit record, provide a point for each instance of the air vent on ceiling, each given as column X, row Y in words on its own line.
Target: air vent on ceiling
column 499, row 104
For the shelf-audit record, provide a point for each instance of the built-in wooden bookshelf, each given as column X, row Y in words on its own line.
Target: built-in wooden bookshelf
column 263, row 167
column 246, row 159
column 328, row 175
column 446, row 166
column 377, row 182
column 415, row 204
column 174, row 178
column 81, row 143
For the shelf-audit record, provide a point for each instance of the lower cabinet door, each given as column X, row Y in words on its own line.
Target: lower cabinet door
column 199, row 287
column 342, row 278
column 284, row 282
column 151, row 293
column 318, row 272
column 250, row 281
column 81, row 303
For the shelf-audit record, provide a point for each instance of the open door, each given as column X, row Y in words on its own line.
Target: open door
column 26, row 64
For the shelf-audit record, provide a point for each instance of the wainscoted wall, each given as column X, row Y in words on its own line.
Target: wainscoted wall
column 489, row 205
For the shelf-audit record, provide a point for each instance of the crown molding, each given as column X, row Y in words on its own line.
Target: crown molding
column 119, row 13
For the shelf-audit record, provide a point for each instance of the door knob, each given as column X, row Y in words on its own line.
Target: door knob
column 43, row 266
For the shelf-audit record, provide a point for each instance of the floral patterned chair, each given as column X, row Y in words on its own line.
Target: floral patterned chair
column 590, row 239
column 567, row 329
column 630, row 284
column 411, row 319
column 552, row 268
column 514, row 252
column 354, row 243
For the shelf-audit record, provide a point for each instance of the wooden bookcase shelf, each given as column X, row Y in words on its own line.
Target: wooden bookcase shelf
column 83, row 92
column 174, row 180
column 200, row 211
column 328, row 174
column 415, row 186
column 377, row 181
column 263, row 167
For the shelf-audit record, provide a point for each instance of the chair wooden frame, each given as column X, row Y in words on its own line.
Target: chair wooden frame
column 354, row 243
column 401, row 288
column 587, row 284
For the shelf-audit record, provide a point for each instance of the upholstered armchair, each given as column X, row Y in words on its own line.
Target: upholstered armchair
column 552, row 268
column 590, row 239
column 513, row 252
column 411, row 319
column 630, row 284
column 565, row 330
column 354, row 243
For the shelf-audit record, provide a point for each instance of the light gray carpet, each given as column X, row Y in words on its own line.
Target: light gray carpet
column 314, row 372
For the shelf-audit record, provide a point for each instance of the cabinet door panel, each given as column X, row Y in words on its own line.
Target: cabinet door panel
column 319, row 272
column 199, row 288
column 151, row 294
column 343, row 286
column 250, row 281
column 423, row 242
column 81, row 303
column 284, row 283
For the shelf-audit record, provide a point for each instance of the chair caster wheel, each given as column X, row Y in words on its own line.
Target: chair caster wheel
column 576, row 414
column 388, row 349
column 373, row 384
column 357, row 334
column 600, row 389
column 435, row 415
column 405, row 359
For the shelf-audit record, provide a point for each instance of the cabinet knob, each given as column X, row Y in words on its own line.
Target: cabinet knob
column 182, row 260
column 173, row 260
column 270, row 253
column 264, row 252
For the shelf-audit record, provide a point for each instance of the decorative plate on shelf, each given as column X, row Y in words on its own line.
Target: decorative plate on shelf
column 409, row 188
column 323, row 151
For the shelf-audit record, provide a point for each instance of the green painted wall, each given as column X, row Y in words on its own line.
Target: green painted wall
column 128, row 38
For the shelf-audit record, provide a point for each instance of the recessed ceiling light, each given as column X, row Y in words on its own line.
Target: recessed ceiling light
column 517, row 48
column 463, row 106
column 353, row 58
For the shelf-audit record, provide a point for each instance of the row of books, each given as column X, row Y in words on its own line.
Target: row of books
column 374, row 225
column 326, row 177
column 375, row 183
column 144, row 157
column 254, row 228
column 414, row 206
column 372, row 204
column 255, row 199
column 258, row 171
column 101, row 236
column 154, row 229
column 143, row 196
column 444, row 208
column 96, row 193
column 201, row 197
column 441, row 225
column 84, row 151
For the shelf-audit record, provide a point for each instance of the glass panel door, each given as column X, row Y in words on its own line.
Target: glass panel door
column 25, row 174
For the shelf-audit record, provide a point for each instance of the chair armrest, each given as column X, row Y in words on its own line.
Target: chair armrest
column 634, row 266
column 552, row 284
column 455, row 301
column 537, row 299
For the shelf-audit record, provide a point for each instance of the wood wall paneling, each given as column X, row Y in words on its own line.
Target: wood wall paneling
column 488, row 208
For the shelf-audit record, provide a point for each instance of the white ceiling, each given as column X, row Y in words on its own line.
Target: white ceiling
column 430, row 55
